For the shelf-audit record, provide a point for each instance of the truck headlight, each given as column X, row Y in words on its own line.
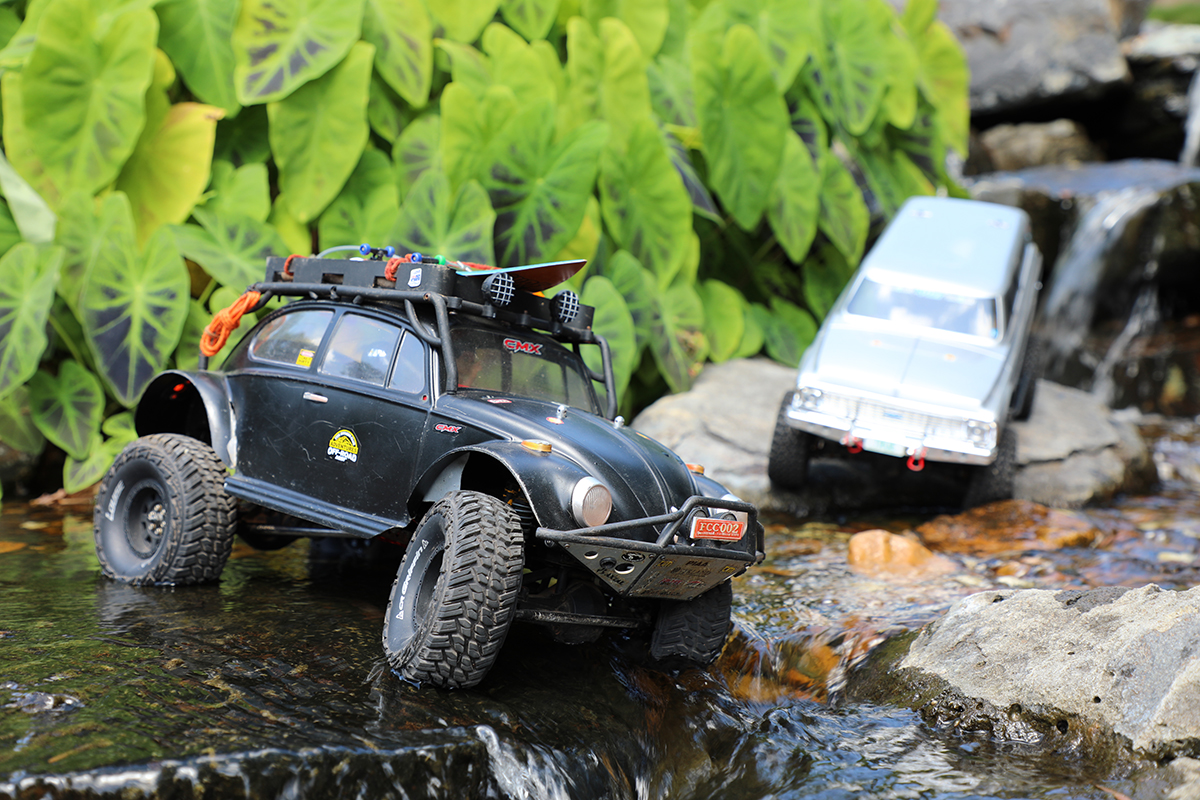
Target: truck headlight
column 591, row 502
column 980, row 433
column 809, row 398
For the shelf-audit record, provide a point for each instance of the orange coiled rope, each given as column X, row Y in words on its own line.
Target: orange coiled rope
column 225, row 322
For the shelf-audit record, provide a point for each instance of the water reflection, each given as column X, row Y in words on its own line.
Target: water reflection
column 272, row 683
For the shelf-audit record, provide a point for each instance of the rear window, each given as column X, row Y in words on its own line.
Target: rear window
column 973, row 316
column 524, row 364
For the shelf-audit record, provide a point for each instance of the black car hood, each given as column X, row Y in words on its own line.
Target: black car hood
column 645, row 478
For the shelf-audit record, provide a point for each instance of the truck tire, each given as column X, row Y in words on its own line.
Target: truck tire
column 162, row 516
column 787, row 462
column 995, row 481
column 1031, row 370
column 455, row 592
column 691, row 633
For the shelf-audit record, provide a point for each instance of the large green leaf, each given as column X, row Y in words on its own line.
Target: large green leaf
column 639, row 290
column 30, row 214
column 9, row 233
column 844, row 216
column 677, row 340
column 645, row 204
column 67, row 407
column 80, row 474
column 944, row 78
column 468, row 66
column 791, row 31
column 606, row 74
column 670, row 83
column 614, row 323
column 367, row 208
column 17, row 429
column 469, row 126
column 27, row 279
column 169, row 169
column 795, row 199
column 231, row 247
column 825, row 275
column 84, row 99
column 539, row 187
column 318, row 134
column 787, row 329
column 724, row 318
column 918, row 16
column 900, row 99
column 464, row 19
column 387, row 113
column 436, row 221
column 648, row 19
column 133, row 307
column 743, row 120
column 278, row 46
column 808, row 124
column 20, row 43
column 890, row 175
column 197, row 35
column 530, row 18
column 416, row 151
column 84, row 233
column 402, row 33
column 245, row 190
column 681, row 159
column 517, row 65
column 857, row 60
column 752, row 334
column 244, row 139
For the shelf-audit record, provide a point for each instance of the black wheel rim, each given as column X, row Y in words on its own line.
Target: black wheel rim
column 145, row 518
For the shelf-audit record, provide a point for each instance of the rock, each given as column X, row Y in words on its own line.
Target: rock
column 1128, row 15
column 1015, row 147
column 1111, row 673
column 1006, row 526
column 878, row 553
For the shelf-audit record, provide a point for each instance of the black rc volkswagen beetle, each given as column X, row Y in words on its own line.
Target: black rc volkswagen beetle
column 448, row 410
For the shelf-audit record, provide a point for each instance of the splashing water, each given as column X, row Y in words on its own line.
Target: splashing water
column 1143, row 319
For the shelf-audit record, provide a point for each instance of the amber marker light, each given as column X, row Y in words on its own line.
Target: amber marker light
column 536, row 445
column 697, row 469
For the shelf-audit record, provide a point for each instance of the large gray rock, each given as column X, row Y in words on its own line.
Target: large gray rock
column 1099, row 670
column 1071, row 452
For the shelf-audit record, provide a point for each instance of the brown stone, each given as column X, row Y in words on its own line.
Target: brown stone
column 1007, row 526
column 878, row 553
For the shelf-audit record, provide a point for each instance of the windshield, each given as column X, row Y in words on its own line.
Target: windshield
column 974, row 316
column 524, row 364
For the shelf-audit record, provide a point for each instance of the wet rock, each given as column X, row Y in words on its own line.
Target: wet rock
column 878, row 553
column 1006, row 526
column 1110, row 673
column 1032, row 144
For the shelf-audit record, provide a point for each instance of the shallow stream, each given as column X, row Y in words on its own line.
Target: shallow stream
column 272, row 683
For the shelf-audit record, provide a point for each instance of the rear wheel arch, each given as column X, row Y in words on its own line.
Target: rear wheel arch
column 192, row 405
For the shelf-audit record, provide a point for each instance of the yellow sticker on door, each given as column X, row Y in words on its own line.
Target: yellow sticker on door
column 343, row 446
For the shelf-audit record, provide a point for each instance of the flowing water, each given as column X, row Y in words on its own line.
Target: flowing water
column 271, row 683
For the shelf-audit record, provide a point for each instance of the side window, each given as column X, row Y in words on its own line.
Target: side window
column 409, row 374
column 361, row 349
column 291, row 339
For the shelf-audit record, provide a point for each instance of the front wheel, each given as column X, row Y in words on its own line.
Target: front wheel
column 691, row 633
column 787, row 462
column 455, row 593
column 995, row 481
column 162, row 516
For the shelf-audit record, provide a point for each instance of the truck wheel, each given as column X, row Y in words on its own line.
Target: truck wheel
column 787, row 463
column 455, row 593
column 162, row 516
column 995, row 481
column 691, row 633
column 1031, row 370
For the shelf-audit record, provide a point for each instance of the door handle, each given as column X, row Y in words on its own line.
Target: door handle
column 316, row 398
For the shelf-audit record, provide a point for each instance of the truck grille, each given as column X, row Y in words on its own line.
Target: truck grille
column 914, row 425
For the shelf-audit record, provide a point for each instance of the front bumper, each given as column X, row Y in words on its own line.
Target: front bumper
column 673, row 567
column 911, row 439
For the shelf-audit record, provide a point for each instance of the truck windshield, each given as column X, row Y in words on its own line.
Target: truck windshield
column 520, row 363
column 974, row 316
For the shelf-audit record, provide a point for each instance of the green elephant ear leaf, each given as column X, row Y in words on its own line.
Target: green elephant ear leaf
column 197, row 35
column 85, row 100
column 67, row 407
column 795, row 200
column 677, row 339
column 752, row 333
column 416, row 151
column 278, row 47
column 402, row 34
column 17, row 429
column 169, row 169
column 80, row 474
column 643, row 199
column 670, row 83
column 231, row 247
column 808, row 125
column 648, row 19
column 614, row 322
column 366, row 210
column 900, row 99
column 856, row 57
column 844, row 216
column 469, row 126
column 530, row 18
column 788, row 330
column 790, row 30
column 463, row 20
column 9, row 233
column 944, row 78
column 640, row 291
column 245, row 190
column 702, row 202
column 245, row 138
column 27, row 280
column 540, row 188
column 319, row 132
column 825, row 275
column 724, row 318
column 133, row 308
column 32, row 218
column 435, row 221
column 743, row 120
column 517, row 65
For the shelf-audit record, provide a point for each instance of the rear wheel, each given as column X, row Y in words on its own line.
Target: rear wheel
column 995, row 481
column 162, row 515
column 455, row 593
column 787, row 463
column 691, row 633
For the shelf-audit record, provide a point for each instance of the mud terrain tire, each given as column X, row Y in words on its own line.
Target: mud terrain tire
column 995, row 481
column 691, row 633
column 162, row 516
column 787, row 462
column 455, row 592
column 1031, row 370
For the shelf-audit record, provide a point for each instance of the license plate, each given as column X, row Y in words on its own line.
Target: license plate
column 886, row 448
column 726, row 530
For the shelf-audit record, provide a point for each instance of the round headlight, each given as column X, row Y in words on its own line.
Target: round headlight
column 809, row 398
column 591, row 502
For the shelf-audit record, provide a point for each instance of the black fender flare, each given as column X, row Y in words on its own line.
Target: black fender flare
column 195, row 404
column 546, row 479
